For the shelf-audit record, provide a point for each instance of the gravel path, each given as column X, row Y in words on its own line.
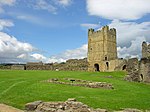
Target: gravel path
column 6, row 108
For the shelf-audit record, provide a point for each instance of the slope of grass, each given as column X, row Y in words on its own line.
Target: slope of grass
column 20, row 87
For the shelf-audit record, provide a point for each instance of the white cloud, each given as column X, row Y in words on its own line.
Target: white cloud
column 5, row 23
column 6, row 2
column 87, row 25
column 133, row 51
column 30, row 18
column 118, row 9
column 128, row 31
column 43, row 5
column 130, row 36
column 39, row 57
column 78, row 53
column 63, row 2
column 11, row 48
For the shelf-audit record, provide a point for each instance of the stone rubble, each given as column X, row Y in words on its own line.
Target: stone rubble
column 71, row 105
column 84, row 83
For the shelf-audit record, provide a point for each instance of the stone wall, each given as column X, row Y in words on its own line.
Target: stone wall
column 5, row 67
column 133, row 70
column 69, row 65
column 138, row 71
column 122, row 65
column 71, row 105
column 17, row 67
column 145, row 50
column 39, row 67
column 144, row 70
column 73, row 65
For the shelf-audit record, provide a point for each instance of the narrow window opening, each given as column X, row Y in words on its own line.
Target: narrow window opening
column 107, row 65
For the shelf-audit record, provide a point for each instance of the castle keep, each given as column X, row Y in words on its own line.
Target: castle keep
column 102, row 50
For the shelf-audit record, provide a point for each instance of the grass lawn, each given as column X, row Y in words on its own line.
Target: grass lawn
column 20, row 87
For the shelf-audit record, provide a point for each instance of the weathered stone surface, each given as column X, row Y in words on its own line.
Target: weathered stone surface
column 131, row 110
column 69, row 65
column 32, row 106
column 84, row 83
column 144, row 70
column 145, row 50
column 138, row 71
column 18, row 67
column 101, row 49
column 133, row 70
column 71, row 105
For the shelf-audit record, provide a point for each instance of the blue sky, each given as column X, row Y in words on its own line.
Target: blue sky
column 56, row 30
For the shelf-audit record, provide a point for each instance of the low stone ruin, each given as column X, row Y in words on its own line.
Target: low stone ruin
column 82, row 83
column 138, row 71
column 133, row 70
column 71, row 105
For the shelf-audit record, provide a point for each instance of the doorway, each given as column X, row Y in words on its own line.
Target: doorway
column 96, row 66
column 124, row 67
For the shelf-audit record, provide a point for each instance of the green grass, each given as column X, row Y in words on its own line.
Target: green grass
column 20, row 87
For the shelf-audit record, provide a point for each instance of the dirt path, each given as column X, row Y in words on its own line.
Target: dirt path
column 6, row 108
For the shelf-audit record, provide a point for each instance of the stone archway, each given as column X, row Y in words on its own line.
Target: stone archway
column 96, row 66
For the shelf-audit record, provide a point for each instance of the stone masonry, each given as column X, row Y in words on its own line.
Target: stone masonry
column 138, row 71
column 69, row 65
column 71, row 105
column 102, row 50
column 144, row 70
column 133, row 70
column 145, row 50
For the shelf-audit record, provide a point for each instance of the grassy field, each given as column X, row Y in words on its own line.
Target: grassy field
column 20, row 87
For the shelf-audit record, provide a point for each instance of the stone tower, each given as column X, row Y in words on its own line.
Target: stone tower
column 101, row 48
column 145, row 50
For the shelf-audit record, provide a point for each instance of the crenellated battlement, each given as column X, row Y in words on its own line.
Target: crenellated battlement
column 104, row 30
column 113, row 31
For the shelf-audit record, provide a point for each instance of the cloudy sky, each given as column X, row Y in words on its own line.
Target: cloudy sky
column 56, row 30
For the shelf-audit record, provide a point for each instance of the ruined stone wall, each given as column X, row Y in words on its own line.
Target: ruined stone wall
column 73, row 65
column 144, row 70
column 138, row 71
column 39, row 67
column 101, row 47
column 17, row 67
column 145, row 50
column 5, row 67
column 133, row 70
column 69, row 65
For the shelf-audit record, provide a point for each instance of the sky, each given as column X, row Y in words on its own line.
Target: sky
column 56, row 30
